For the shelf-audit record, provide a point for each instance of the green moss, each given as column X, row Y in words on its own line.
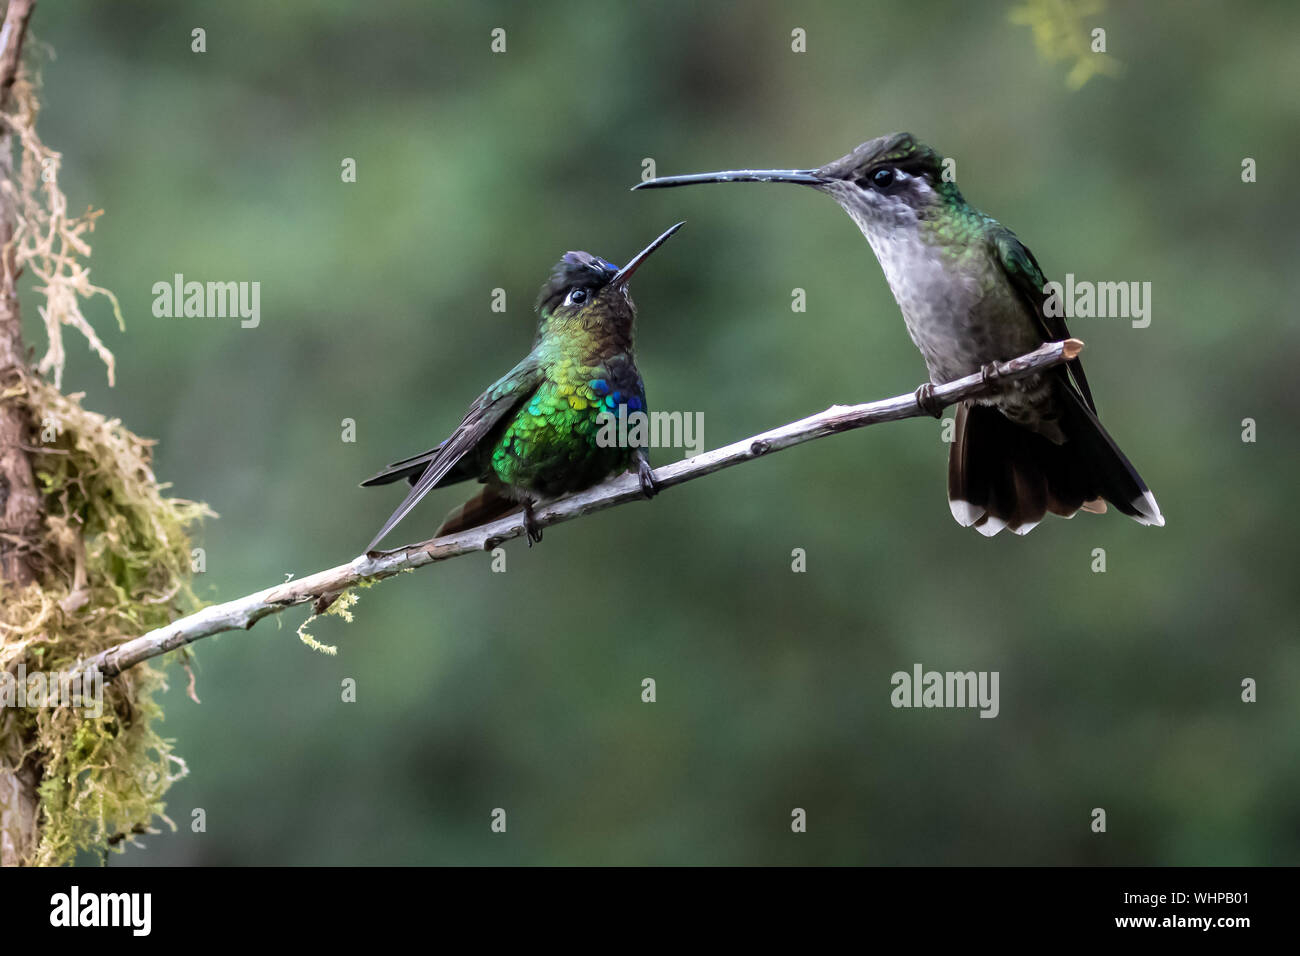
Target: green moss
column 116, row 563
column 340, row 607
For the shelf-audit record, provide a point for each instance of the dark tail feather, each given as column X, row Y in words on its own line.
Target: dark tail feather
column 485, row 506
column 1002, row 475
column 408, row 468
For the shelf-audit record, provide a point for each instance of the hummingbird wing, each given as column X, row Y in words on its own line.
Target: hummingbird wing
column 1027, row 279
column 503, row 398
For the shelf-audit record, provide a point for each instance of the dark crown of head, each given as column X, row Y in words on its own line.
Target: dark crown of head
column 576, row 269
column 899, row 150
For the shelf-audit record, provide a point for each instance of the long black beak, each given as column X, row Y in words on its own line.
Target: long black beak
column 625, row 273
column 804, row 177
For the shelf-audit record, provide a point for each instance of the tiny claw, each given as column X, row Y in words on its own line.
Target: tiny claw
column 531, row 527
column 647, row 477
column 926, row 401
column 989, row 372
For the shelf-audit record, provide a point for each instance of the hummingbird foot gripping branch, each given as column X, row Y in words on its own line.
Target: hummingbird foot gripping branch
column 971, row 294
column 534, row 434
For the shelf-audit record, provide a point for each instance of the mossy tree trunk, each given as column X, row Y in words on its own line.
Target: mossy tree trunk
column 20, row 504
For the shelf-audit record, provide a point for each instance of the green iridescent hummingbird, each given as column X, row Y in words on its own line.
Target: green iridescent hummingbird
column 972, row 295
column 535, row 434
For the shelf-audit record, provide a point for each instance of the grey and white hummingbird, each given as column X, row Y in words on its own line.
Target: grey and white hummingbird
column 972, row 295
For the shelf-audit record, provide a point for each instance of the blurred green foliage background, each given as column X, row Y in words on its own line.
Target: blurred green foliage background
column 522, row 690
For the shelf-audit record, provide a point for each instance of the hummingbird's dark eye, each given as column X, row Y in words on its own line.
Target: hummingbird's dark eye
column 882, row 178
column 577, row 297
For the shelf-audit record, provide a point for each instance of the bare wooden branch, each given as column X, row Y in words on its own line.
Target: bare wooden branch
column 324, row 586
column 12, row 35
